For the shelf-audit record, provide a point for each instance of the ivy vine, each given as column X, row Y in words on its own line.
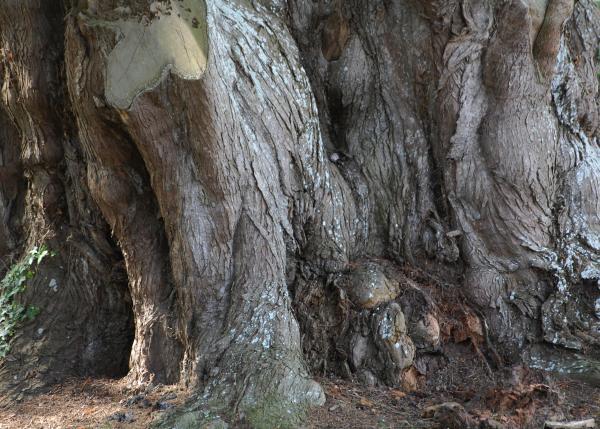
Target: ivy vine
column 12, row 312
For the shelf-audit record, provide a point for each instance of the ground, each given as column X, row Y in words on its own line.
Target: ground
column 523, row 399
column 461, row 385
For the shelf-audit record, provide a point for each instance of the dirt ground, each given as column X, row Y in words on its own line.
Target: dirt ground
column 524, row 399
column 458, row 386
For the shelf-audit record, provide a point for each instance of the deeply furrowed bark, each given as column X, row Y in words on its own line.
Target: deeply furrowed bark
column 85, row 318
column 222, row 206
column 265, row 167
column 12, row 188
column 119, row 183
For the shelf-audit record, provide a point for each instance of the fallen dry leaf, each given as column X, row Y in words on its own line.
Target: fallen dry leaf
column 366, row 403
column 397, row 394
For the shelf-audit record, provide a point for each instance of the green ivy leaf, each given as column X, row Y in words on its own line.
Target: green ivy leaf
column 13, row 313
column 32, row 312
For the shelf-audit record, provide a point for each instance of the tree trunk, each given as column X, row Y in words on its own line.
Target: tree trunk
column 234, row 190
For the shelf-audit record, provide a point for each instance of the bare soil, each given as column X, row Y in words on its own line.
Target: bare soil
column 521, row 399
column 466, row 374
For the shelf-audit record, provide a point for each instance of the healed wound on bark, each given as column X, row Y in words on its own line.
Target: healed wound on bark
column 174, row 39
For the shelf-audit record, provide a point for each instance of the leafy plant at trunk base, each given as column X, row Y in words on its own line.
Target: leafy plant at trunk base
column 12, row 312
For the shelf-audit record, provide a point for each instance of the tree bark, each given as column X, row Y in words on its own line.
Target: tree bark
column 84, row 325
column 264, row 170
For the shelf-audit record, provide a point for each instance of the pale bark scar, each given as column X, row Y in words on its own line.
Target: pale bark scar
column 175, row 40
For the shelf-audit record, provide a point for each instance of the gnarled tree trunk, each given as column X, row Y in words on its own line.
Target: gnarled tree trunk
column 262, row 170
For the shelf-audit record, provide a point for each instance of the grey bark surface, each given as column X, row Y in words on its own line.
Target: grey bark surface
column 233, row 196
